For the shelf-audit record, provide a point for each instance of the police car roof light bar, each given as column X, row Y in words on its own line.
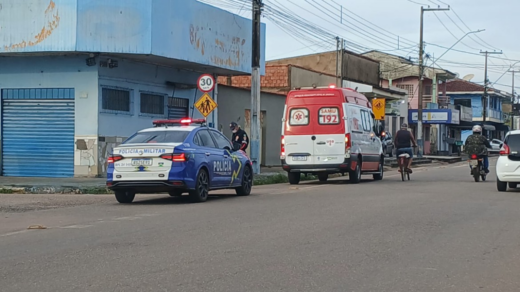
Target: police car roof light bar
column 184, row 122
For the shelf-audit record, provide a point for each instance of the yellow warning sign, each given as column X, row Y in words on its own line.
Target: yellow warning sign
column 206, row 105
column 378, row 107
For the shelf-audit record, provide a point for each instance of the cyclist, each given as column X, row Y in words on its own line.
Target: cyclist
column 476, row 143
column 402, row 141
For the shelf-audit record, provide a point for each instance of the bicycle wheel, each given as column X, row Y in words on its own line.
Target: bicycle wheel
column 402, row 172
column 408, row 175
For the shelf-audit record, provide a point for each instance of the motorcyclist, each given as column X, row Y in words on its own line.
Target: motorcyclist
column 479, row 145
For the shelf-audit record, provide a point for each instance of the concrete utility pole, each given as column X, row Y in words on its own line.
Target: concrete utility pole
column 420, row 139
column 338, row 58
column 513, row 101
column 255, row 88
column 513, row 87
column 484, row 98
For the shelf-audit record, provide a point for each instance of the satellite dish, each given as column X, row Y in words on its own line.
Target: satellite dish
column 468, row 77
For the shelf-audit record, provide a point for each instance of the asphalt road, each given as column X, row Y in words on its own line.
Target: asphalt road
column 438, row 232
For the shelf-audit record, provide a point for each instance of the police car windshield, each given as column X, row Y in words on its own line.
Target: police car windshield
column 158, row 137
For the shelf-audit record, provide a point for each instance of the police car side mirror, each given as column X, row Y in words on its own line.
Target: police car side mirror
column 227, row 148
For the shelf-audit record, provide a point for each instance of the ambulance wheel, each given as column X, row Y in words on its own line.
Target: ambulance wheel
column 125, row 197
column 355, row 176
column 379, row 175
column 294, row 178
column 200, row 193
column 247, row 183
column 323, row 177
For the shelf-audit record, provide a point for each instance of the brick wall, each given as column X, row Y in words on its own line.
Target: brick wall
column 276, row 79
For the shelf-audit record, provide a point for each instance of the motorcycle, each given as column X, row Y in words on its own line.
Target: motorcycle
column 477, row 167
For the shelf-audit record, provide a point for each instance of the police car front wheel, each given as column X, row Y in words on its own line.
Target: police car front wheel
column 247, row 183
column 125, row 197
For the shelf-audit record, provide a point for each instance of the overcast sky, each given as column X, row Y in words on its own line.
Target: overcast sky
column 399, row 18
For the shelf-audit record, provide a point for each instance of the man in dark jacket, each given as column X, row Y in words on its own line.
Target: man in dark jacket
column 478, row 144
column 239, row 139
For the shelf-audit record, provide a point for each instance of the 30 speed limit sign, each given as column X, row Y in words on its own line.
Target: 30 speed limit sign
column 206, row 83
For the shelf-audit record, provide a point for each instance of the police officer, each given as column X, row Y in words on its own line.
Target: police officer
column 240, row 139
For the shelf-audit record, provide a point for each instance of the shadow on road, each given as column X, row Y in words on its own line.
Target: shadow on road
column 183, row 200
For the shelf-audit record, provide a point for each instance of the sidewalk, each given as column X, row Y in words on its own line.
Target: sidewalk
column 41, row 185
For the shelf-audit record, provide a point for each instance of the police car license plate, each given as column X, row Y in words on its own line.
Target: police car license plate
column 299, row 158
column 473, row 162
column 143, row 162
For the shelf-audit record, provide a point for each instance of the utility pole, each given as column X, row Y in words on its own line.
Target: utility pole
column 513, row 87
column 512, row 114
column 341, row 72
column 338, row 58
column 420, row 139
column 484, row 98
column 255, row 88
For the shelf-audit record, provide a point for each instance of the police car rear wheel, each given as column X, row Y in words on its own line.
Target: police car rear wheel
column 200, row 194
column 125, row 197
column 247, row 183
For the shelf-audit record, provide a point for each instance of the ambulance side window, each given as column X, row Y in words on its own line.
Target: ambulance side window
column 365, row 116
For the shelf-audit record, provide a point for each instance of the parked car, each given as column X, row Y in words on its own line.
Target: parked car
column 388, row 143
column 508, row 163
column 496, row 144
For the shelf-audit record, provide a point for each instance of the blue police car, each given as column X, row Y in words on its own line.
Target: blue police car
column 177, row 157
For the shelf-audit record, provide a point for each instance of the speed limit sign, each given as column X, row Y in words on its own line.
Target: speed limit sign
column 206, row 83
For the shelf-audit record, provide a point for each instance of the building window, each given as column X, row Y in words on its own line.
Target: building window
column 116, row 100
column 178, row 108
column 407, row 87
column 427, row 90
column 152, row 104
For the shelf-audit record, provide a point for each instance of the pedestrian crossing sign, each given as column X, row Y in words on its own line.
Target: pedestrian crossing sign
column 378, row 107
column 206, row 105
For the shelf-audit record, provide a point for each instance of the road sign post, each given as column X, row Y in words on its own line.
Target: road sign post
column 205, row 105
column 206, row 83
column 378, row 107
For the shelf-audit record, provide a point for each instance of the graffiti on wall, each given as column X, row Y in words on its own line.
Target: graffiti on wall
column 222, row 48
column 52, row 21
column 86, row 151
column 106, row 146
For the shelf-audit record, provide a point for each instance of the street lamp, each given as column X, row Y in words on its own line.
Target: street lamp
column 468, row 33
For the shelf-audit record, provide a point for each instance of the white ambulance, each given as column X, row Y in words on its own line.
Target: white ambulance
column 330, row 130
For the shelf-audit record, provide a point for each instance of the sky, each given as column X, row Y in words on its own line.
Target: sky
column 300, row 27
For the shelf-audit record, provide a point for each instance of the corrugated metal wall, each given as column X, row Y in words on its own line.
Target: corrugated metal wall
column 178, row 108
column 38, row 132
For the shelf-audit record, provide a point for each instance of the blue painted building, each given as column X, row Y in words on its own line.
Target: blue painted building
column 78, row 77
column 469, row 94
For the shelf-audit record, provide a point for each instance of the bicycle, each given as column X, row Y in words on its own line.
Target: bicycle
column 402, row 162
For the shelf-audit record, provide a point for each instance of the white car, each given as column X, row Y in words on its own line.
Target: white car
column 496, row 144
column 508, row 163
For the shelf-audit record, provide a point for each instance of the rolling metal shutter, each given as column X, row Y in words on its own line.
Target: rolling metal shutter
column 178, row 108
column 38, row 132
